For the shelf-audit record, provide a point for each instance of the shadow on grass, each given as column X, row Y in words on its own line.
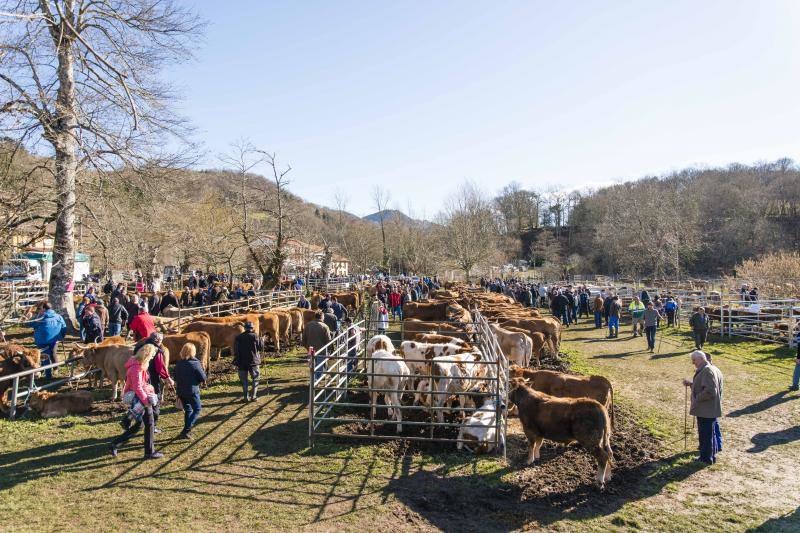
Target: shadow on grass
column 767, row 403
column 450, row 503
column 787, row 522
column 763, row 441
column 52, row 460
column 667, row 355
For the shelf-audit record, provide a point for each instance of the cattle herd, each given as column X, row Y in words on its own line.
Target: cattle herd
column 437, row 363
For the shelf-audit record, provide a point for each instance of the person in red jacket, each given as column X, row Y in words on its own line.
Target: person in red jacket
column 142, row 325
column 395, row 302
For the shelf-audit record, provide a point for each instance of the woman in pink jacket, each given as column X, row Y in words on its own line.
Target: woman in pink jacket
column 136, row 380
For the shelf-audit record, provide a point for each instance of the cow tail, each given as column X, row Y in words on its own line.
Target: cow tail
column 611, row 387
column 608, row 429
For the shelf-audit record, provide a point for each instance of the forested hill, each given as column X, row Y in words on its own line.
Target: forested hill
column 693, row 221
column 690, row 222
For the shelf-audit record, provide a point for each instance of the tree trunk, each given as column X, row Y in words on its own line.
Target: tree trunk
column 64, row 142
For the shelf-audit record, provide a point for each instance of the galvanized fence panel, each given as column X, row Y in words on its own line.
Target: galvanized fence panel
column 339, row 392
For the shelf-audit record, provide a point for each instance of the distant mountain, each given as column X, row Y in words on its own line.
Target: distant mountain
column 392, row 215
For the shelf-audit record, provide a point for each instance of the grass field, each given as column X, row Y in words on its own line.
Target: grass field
column 250, row 467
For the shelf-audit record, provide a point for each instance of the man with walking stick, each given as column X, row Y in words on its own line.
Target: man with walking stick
column 706, row 404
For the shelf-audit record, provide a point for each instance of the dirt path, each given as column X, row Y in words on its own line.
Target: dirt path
column 757, row 471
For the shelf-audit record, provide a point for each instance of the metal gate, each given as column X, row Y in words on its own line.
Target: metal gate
column 340, row 403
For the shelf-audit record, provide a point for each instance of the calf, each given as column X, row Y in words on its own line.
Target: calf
column 379, row 342
column 454, row 376
column 517, row 347
column 478, row 432
column 549, row 326
column 564, row 420
column 568, row 386
column 394, row 375
column 417, row 354
column 538, row 341
column 52, row 404
column 111, row 362
column 435, row 338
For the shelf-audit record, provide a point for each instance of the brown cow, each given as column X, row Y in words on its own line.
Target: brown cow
column 550, row 327
column 52, row 404
column 233, row 319
column 298, row 321
column 564, row 420
column 284, row 324
column 222, row 335
column 200, row 339
column 568, row 386
column 270, row 326
column 15, row 358
column 427, row 311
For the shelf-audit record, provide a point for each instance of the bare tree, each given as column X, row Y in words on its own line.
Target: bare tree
column 380, row 198
column 83, row 75
column 264, row 237
column 25, row 205
column 468, row 229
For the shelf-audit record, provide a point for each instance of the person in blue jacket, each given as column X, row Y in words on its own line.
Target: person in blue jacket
column 48, row 328
column 189, row 375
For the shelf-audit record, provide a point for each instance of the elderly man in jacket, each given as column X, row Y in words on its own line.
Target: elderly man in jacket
column 315, row 336
column 247, row 350
column 706, row 387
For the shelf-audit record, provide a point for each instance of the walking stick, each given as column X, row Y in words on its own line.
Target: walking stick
column 685, row 416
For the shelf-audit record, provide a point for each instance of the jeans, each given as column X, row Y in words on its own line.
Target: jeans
column 253, row 373
column 613, row 326
column 700, row 337
column 114, row 328
column 352, row 360
column 563, row 315
column 650, row 332
column 796, row 376
column 708, row 443
column 598, row 319
column 397, row 311
column 575, row 314
column 150, row 418
column 48, row 357
column 191, row 410
column 717, row 435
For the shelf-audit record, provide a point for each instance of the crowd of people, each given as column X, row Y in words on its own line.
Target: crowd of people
column 148, row 375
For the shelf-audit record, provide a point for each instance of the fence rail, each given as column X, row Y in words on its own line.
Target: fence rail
column 265, row 302
column 343, row 399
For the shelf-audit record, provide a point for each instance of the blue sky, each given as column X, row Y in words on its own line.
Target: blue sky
column 420, row 96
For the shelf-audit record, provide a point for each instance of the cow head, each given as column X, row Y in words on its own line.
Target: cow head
column 88, row 357
column 39, row 400
column 516, row 387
